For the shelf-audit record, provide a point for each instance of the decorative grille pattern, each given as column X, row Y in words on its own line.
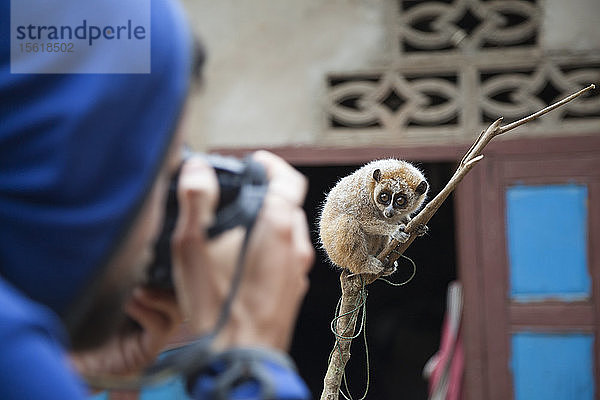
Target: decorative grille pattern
column 467, row 24
column 459, row 65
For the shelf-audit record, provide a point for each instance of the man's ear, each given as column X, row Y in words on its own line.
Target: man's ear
column 377, row 175
column 421, row 188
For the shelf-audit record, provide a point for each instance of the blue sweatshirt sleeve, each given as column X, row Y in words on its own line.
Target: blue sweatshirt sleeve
column 33, row 363
column 258, row 378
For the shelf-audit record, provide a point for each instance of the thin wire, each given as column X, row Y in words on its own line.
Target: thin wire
column 361, row 304
column 354, row 312
column 410, row 278
column 366, row 355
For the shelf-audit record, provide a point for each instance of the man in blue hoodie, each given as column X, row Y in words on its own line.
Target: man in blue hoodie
column 86, row 153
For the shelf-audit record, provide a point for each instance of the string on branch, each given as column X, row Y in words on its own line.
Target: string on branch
column 352, row 285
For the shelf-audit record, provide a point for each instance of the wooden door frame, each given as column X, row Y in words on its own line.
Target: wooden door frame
column 489, row 317
column 485, row 371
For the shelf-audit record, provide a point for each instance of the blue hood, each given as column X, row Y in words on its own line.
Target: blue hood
column 79, row 153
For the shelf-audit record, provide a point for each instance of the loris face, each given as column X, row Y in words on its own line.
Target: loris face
column 399, row 195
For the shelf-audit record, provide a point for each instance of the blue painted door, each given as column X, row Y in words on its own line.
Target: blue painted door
column 547, row 244
column 531, row 265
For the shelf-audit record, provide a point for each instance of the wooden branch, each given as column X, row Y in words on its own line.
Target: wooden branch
column 351, row 284
column 394, row 248
column 345, row 327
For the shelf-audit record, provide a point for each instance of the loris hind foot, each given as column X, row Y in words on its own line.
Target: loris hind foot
column 390, row 269
column 376, row 267
column 372, row 266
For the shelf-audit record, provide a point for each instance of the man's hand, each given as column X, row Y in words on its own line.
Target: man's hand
column 276, row 266
column 133, row 349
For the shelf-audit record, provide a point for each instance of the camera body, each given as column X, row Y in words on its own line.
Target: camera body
column 242, row 187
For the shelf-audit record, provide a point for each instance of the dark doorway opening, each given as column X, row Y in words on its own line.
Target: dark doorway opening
column 403, row 323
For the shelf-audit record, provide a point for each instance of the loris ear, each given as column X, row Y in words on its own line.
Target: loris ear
column 421, row 188
column 377, row 175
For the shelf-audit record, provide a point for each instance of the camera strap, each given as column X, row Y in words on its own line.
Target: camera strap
column 191, row 357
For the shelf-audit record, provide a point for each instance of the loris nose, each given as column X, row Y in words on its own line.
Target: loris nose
column 389, row 211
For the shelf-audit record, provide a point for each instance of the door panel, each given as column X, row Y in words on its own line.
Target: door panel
column 546, row 228
column 535, row 270
column 552, row 366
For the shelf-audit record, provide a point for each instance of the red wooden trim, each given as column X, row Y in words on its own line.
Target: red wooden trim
column 316, row 155
column 544, row 146
column 548, row 168
column 495, row 278
column 554, row 316
column 468, row 235
column 321, row 155
column 594, row 264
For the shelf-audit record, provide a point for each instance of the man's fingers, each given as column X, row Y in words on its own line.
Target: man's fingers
column 301, row 238
column 159, row 300
column 146, row 313
column 284, row 180
column 198, row 193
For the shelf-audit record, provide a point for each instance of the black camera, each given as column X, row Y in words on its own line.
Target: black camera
column 242, row 187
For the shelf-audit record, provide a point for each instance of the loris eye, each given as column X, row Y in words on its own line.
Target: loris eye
column 384, row 198
column 400, row 201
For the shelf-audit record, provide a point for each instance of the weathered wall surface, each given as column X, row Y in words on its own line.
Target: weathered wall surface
column 279, row 72
column 571, row 25
column 268, row 62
